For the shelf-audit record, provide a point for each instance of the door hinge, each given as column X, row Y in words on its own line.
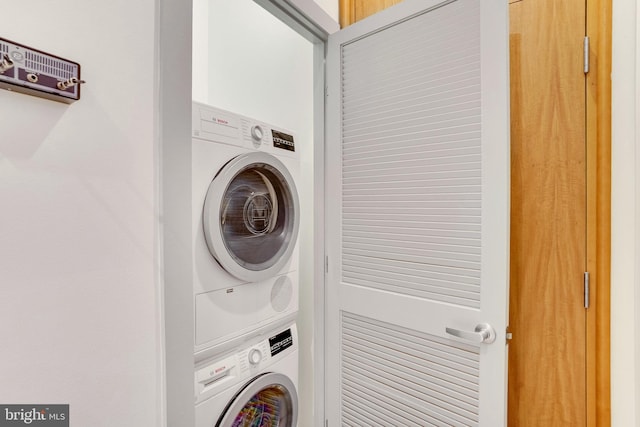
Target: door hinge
column 509, row 334
column 585, row 46
column 586, row 289
column 326, row 264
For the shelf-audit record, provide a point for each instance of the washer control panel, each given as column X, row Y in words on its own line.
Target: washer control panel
column 240, row 366
column 254, row 357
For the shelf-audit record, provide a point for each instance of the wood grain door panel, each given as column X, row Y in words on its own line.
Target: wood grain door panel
column 547, row 360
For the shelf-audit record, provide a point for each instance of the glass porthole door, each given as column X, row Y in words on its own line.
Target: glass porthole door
column 269, row 400
column 251, row 216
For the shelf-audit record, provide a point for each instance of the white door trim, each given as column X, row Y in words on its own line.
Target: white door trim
column 314, row 24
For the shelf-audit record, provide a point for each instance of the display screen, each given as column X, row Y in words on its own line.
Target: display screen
column 283, row 140
column 280, row 342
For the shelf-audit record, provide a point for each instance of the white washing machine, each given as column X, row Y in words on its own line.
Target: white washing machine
column 255, row 385
column 245, row 226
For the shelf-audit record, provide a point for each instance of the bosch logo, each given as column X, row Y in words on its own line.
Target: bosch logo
column 221, row 121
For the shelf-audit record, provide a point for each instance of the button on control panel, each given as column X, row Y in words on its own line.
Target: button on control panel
column 255, row 356
column 257, row 133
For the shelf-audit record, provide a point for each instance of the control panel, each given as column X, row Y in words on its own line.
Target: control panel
column 243, row 364
column 31, row 71
column 262, row 137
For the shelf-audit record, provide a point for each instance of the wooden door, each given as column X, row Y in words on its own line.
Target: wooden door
column 559, row 363
column 354, row 11
column 417, row 226
column 547, row 360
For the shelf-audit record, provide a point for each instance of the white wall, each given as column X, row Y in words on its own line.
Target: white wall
column 625, row 277
column 79, row 299
column 331, row 7
column 247, row 61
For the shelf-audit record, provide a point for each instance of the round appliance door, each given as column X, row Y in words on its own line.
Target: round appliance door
column 251, row 216
column 269, row 400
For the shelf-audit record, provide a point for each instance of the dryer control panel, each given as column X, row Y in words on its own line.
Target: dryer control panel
column 261, row 136
column 220, row 126
column 283, row 140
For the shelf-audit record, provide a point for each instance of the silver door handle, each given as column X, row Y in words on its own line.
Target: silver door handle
column 484, row 333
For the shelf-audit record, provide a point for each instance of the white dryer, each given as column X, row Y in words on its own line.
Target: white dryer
column 255, row 385
column 245, row 226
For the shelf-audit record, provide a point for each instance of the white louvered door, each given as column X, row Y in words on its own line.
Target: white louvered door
column 418, row 216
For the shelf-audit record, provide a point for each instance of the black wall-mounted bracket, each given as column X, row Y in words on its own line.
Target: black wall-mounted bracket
column 34, row 72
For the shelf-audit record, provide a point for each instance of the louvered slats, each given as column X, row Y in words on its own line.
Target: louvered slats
column 411, row 157
column 392, row 376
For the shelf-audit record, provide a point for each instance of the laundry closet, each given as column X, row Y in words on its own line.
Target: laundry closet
column 253, row 293
column 390, row 202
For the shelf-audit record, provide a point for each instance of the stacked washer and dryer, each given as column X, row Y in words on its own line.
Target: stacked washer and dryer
column 246, row 216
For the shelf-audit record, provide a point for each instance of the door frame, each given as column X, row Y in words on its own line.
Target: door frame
column 172, row 117
column 314, row 24
column 598, row 143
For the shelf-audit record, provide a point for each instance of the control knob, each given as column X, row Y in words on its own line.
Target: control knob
column 255, row 356
column 257, row 133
